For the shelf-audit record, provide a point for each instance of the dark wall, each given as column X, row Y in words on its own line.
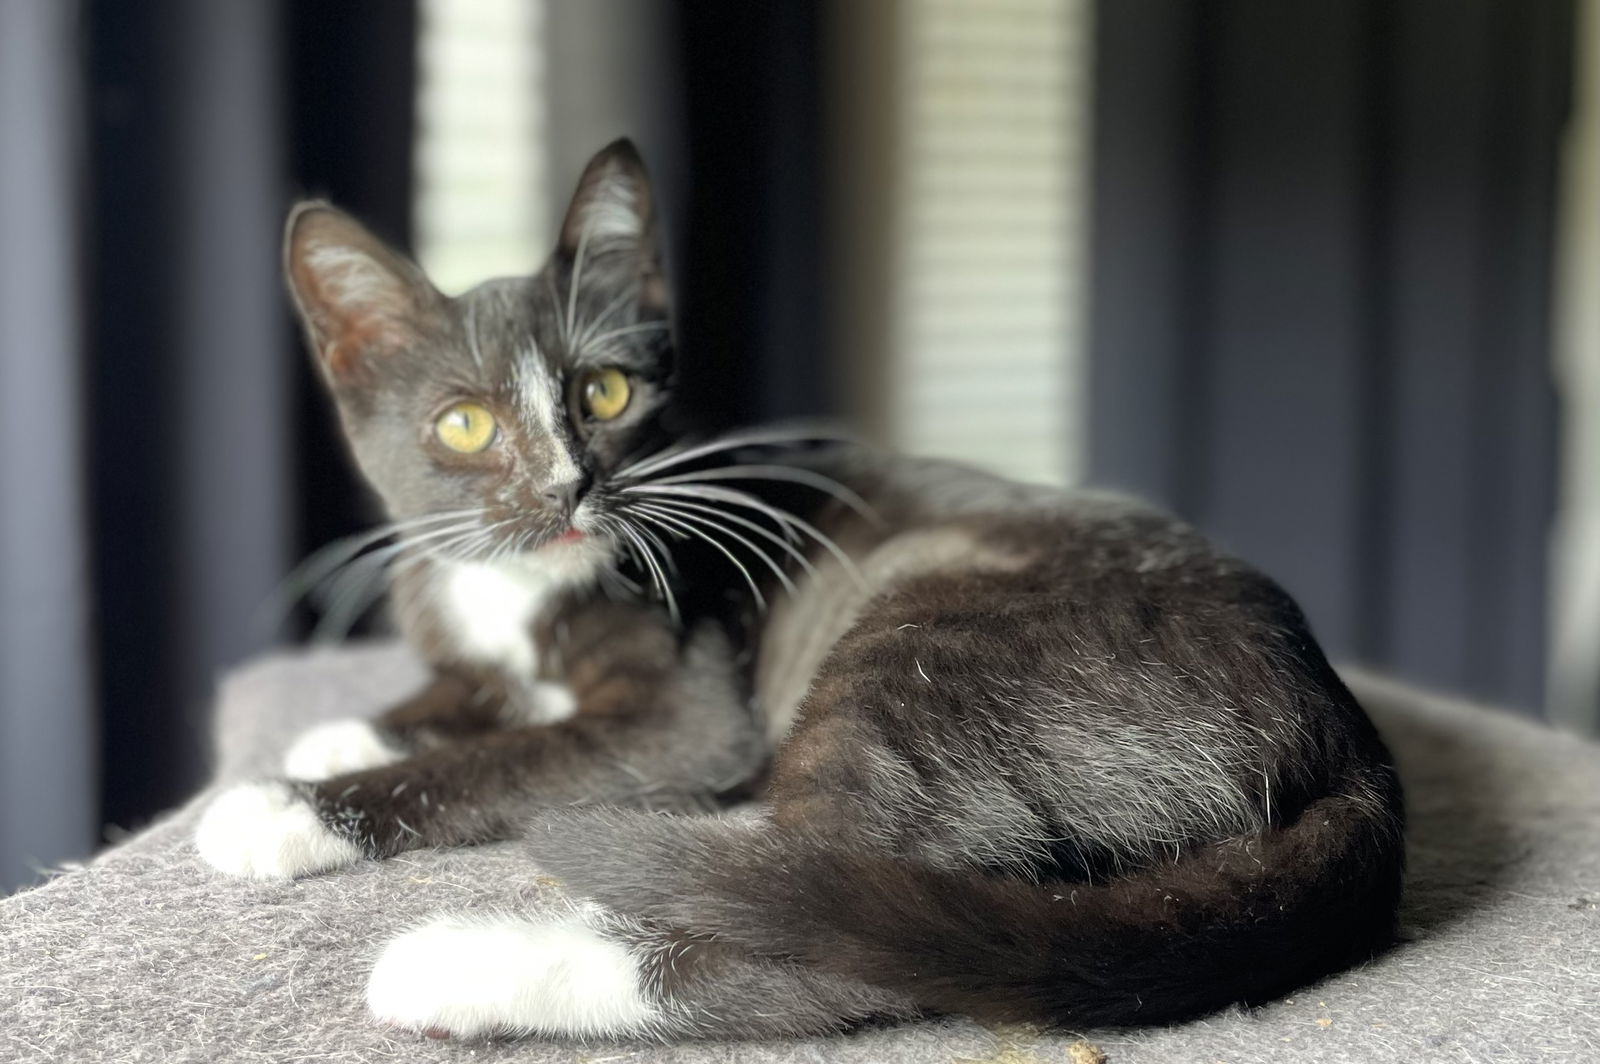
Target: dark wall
column 351, row 116
column 213, row 463
column 753, row 307
column 1320, row 307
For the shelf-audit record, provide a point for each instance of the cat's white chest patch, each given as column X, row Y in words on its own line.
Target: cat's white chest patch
column 489, row 612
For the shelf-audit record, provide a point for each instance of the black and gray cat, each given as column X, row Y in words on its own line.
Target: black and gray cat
column 1021, row 754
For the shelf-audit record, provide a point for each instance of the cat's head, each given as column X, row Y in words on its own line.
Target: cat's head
column 505, row 412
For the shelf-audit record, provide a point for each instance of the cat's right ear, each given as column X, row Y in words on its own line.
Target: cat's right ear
column 612, row 215
column 359, row 299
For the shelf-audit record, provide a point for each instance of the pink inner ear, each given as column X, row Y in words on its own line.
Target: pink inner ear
column 357, row 306
column 368, row 334
column 340, row 360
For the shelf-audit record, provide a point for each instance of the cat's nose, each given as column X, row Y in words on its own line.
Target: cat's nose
column 563, row 497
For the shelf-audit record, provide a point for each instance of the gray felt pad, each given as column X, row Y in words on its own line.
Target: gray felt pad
column 147, row 955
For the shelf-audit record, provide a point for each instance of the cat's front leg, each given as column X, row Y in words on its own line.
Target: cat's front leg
column 663, row 753
column 476, row 790
column 454, row 704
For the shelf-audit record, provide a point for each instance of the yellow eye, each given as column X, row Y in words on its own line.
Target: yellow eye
column 605, row 393
column 465, row 427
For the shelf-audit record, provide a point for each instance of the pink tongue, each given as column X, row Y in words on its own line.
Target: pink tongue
column 571, row 535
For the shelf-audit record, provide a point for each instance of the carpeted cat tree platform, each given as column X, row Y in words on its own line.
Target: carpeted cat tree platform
column 147, row 955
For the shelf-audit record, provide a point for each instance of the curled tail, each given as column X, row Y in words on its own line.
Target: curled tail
column 1244, row 920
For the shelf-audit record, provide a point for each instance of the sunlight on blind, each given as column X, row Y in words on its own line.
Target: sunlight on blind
column 988, row 270
column 479, row 210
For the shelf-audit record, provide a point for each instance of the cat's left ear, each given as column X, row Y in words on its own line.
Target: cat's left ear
column 612, row 219
column 360, row 299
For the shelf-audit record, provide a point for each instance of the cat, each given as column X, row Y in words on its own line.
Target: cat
column 1020, row 753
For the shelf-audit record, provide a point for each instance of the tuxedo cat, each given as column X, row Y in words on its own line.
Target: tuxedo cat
column 1020, row 753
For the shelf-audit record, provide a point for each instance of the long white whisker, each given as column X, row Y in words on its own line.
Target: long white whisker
column 326, row 561
column 784, row 541
column 449, row 535
column 351, row 594
column 678, row 454
column 761, row 600
column 670, row 563
column 679, row 505
column 472, row 335
column 750, row 502
column 668, row 515
column 330, row 556
column 561, row 318
column 794, row 475
column 463, row 543
column 609, row 575
column 626, row 330
column 655, row 570
column 577, row 279
column 586, row 334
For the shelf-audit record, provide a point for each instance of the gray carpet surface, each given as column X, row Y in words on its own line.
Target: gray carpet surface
column 147, row 955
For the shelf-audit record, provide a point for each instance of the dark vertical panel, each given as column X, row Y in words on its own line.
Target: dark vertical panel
column 611, row 70
column 1361, row 354
column 131, row 382
column 1480, row 99
column 198, row 394
column 752, row 315
column 1376, row 92
column 187, row 407
column 793, row 308
column 47, row 740
column 1440, row 252
column 1283, row 472
column 351, row 115
column 1515, row 422
column 1146, row 148
column 228, row 340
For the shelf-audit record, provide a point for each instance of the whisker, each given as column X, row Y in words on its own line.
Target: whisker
column 561, row 318
column 586, row 334
column 450, row 536
column 328, row 559
column 667, row 559
column 809, row 478
column 610, row 577
column 739, row 498
column 408, row 539
column 324, row 565
column 761, row 601
column 669, row 563
column 787, row 544
column 462, row 545
column 680, row 453
column 577, row 278
column 626, row 330
column 777, row 570
column 327, row 589
column 655, row 569
column 472, row 335
column 351, row 594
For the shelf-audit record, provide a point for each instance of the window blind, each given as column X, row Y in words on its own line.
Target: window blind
column 480, row 164
column 987, row 272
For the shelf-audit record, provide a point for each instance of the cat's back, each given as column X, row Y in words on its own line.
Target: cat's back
column 1039, row 664
column 1082, row 592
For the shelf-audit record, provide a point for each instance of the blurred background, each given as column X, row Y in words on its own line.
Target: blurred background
column 1320, row 275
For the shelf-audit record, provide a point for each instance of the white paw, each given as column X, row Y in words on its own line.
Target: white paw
column 504, row 975
column 546, row 703
column 266, row 831
column 336, row 748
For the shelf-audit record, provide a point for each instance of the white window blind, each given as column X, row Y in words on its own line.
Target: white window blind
column 479, row 207
column 987, row 271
